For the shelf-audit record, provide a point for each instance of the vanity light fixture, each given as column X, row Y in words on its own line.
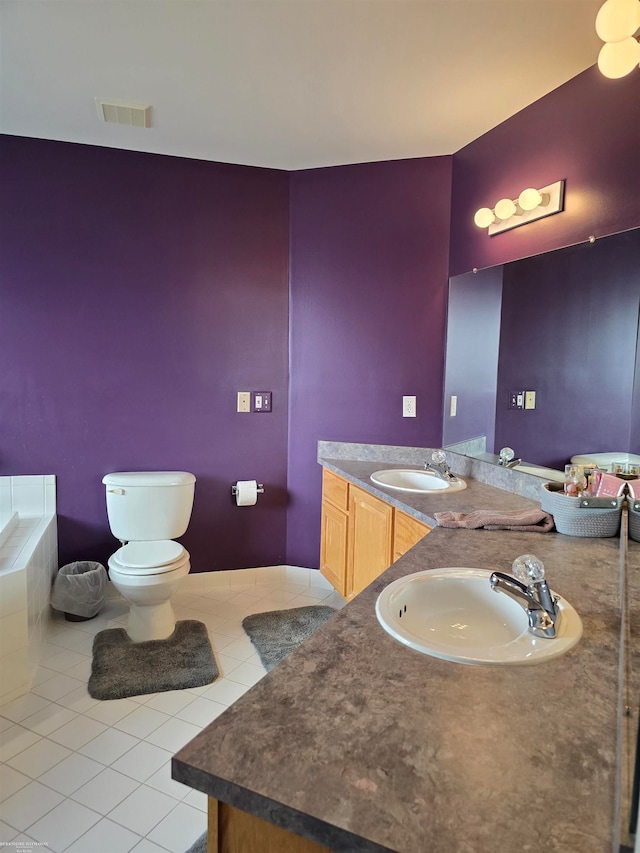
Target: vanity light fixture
column 617, row 24
column 530, row 205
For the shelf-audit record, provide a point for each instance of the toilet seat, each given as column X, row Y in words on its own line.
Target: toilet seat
column 149, row 557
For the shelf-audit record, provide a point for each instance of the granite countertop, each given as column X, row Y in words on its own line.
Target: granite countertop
column 360, row 743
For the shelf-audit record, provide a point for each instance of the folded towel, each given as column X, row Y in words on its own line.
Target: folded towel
column 529, row 520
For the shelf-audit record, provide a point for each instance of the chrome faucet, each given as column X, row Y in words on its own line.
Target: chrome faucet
column 439, row 465
column 507, row 458
column 532, row 592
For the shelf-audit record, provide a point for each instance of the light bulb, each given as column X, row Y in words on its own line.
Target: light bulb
column 529, row 199
column 484, row 217
column 618, row 19
column 505, row 208
column 619, row 59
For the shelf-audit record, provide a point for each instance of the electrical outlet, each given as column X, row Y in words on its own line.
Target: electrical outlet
column 453, row 406
column 244, row 401
column 529, row 399
column 408, row 407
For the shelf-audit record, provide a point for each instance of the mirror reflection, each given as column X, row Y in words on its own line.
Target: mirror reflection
column 543, row 355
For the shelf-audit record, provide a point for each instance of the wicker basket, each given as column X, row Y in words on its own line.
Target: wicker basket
column 634, row 519
column 572, row 519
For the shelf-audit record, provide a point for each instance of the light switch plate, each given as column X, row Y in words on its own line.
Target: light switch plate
column 516, row 399
column 262, row 401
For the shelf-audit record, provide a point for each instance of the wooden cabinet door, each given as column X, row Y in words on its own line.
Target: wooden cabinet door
column 406, row 532
column 370, row 539
column 333, row 546
column 231, row 830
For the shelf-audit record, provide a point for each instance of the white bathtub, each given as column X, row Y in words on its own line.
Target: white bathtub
column 8, row 523
column 28, row 562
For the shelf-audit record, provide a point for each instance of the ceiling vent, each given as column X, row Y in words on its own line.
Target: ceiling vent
column 123, row 112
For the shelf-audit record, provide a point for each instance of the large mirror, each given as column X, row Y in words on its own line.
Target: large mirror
column 564, row 325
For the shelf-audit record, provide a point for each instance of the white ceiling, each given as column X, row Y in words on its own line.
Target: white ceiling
column 289, row 84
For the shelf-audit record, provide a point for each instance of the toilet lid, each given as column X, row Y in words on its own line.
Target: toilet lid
column 149, row 555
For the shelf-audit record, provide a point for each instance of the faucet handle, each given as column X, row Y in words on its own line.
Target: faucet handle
column 506, row 455
column 528, row 569
column 439, row 457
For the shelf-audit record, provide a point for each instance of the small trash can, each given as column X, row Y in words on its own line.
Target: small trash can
column 79, row 590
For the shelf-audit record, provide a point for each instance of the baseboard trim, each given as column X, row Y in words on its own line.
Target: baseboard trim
column 256, row 576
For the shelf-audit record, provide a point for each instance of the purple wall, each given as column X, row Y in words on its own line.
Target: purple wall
column 588, row 132
column 127, row 280
column 473, row 337
column 368, row 274
column 569, row 330
column 139, row 294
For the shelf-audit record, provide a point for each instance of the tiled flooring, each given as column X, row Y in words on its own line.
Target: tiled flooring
column 85, row 776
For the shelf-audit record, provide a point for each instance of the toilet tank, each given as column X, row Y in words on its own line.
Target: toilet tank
column 148, row 505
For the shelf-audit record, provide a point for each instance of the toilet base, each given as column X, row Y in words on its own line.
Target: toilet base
column 150, row 622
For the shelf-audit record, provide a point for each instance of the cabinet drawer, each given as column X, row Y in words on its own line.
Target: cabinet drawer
column 335, row 490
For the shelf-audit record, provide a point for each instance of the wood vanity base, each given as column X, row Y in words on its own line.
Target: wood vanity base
column 231, row 830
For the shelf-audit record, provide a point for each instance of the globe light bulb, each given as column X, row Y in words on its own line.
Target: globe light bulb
column 484, row 217
column 529, row 199
column 619, row 59
column 505, row 208
column 618, row 19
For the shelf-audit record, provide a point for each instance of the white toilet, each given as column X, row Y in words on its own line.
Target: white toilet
column 147, row 510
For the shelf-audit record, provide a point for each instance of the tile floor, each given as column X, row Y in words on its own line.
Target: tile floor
column 85, row 776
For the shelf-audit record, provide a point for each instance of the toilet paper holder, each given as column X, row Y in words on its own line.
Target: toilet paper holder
column 234, row 489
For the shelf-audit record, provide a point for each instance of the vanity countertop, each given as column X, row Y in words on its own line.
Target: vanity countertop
column 360, row 743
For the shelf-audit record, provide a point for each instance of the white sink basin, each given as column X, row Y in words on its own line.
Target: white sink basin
column 415, row 480
column 454, row 614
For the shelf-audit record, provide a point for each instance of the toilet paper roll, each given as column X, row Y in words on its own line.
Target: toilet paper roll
column 246, row 492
